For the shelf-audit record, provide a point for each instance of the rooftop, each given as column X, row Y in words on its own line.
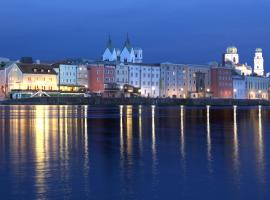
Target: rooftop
column 36, row 69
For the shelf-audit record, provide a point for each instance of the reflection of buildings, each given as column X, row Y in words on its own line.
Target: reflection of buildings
column 260, row 146
column 182, row 132
column 235, row 142
column 46, row 136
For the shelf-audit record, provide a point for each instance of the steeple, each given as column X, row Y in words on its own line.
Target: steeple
column 259, row 62
column 109, row 44
column 127, row 43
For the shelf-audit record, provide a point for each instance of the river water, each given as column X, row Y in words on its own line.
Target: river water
column 134, row 152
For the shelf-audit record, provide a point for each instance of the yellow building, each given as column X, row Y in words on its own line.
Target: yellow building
column 30, row 77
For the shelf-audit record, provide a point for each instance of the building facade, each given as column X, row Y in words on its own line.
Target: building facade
column 221, row 82
column 239, row 87
column 96, row 78
column 82, row 76
column 28, row 77
column 150, row 80
column 198, row 81
column 256, row 87
column 174, row 80
column 121, row 74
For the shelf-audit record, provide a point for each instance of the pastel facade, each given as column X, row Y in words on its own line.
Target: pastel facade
column 150, row 80
column 221, row 82
column 96, row 78
column 121, row 74
column 28, row 77
column 109, row 74
column 174, row 78
column 257, row 87
column 67, row 74
column 239, row 87
column 198, row 80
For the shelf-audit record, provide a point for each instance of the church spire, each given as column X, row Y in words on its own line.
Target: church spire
column 109, row 44
column 127, row 43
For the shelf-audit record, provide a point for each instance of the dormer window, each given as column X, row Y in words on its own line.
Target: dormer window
column 49, row 70
column 35, row 70
column 42, row 70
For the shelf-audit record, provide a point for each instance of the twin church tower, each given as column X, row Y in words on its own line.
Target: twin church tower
column 128, row 54
column 232, row 56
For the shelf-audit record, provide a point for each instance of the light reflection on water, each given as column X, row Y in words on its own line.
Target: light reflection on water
column 133, row 152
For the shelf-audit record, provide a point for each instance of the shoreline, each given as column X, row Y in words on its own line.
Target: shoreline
column 99, row 101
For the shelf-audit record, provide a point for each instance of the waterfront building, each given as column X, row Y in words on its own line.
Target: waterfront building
column 259, row 62
column 121, row 74
column 174, row 80
column 221, row 82
column 82, row 75
column 198, row 81
column 67, row 77
column 28, row 77
column 96, row 78
column 239, row 87
column 256, row 87
column 149, row 79
column 109, row 73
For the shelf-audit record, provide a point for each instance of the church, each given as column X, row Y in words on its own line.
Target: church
column 231, row 57
column 128, row 54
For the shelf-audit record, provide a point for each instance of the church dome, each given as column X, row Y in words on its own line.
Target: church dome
column 232, row 50
column 258, row 50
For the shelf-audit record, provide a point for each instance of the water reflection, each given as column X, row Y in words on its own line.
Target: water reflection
column 140, row 129
column 236, row 162
column 47, row 151
column 129, row 133
column 182, row 133
column 121, row 134
column 260, row 146
column 209, row 143
column 45, row 136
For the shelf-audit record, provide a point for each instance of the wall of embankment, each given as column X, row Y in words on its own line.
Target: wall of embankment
column 99, row 101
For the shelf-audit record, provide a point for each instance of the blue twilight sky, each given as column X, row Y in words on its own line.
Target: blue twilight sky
column 183, row 31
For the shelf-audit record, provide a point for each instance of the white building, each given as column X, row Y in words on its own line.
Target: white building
column 121, row 74
column 67, row 74
column 243, row 69
column 146, row 77
column 256, row 87
column 231, row 57
column 150, row 80
column 259, row 62
column 27, row 77
column 239, row 87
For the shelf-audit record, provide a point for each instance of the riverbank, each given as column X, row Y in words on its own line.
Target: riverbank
column 99, row 101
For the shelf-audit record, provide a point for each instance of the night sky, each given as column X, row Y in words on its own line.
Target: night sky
column 182, row 31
